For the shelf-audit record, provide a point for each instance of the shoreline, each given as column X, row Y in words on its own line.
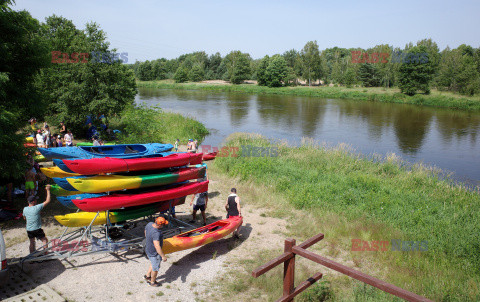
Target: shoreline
column 376, row 94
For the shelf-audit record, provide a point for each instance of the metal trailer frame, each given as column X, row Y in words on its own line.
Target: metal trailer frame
column 88, row 240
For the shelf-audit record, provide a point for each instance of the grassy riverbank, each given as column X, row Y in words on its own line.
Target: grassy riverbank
column 345, row 196
column 392, row 95
column 146, row 125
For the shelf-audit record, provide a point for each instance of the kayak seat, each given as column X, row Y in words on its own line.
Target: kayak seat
column 129, row 150
column 95, row 151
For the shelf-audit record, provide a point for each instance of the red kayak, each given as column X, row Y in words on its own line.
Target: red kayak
column 111, row 165
column 117, row 201
column 209, row 156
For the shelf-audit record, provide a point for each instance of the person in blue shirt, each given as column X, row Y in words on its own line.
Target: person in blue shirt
column 34, row 221
column 153, row 249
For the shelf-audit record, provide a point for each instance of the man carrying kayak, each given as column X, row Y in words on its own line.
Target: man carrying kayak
column 153, row 249
column 233, row 208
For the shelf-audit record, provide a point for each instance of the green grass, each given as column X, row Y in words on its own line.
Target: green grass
column 347, row 196
column 147, row 125
column 390, row 95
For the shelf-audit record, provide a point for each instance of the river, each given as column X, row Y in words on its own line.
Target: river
column 444, row 138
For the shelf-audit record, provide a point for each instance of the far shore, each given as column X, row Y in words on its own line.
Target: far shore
column 378, row 94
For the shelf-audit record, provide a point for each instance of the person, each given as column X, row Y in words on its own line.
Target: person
column 63, row 129
column 153, row 249
column 195, row 142
column 69, row 139
column 34, row 221
column 47, row 136
column 233, row 208
column 30, row 178
column 54, row 140
column 191, row 148
column 201, row 201
column 176, row 145
column 95, row 141
column 40, row 139
column 59, row 141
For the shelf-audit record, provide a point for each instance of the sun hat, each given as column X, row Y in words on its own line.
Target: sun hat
column 161, row 221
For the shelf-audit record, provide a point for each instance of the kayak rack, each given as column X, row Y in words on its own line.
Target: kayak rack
column 108, row 238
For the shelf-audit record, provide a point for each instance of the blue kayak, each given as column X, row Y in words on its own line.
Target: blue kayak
column 64, row 184
column 116, row 151
column 66, row 201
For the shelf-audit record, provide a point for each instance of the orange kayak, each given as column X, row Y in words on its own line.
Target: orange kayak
column 201, row 236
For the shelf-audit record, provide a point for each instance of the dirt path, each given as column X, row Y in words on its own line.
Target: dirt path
column 185, row 276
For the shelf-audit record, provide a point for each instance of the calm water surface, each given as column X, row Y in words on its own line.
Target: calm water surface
column 444, row 138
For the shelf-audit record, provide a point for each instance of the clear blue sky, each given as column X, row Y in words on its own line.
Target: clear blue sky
column 151, row 29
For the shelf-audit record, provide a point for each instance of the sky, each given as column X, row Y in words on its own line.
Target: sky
column 147, row 29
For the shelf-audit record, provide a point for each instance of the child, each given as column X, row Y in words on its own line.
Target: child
column 176, row 145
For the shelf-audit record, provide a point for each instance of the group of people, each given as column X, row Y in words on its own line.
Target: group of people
column 44, row 138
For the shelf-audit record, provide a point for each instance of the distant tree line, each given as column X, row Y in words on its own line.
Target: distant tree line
column 415, row 68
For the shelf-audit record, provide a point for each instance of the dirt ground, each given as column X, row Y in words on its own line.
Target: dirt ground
column 186, row 276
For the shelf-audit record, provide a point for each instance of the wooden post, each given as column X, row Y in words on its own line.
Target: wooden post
column 289, row 269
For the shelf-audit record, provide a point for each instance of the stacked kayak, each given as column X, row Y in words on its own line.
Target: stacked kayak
column 113, row 165
column 117, row 151
column 81, row 219
column 104, row 183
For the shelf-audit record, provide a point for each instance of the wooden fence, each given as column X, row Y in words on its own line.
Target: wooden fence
column 288, row 260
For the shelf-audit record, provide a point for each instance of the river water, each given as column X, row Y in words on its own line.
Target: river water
column 445, row 138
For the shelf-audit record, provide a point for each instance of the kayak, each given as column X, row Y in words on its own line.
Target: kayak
column 63, row 183
column 39, row 158
column 112, row 165
column 91, row 144
column 56, row 172
column 120, row 200
column 209, row 156
column 201, row 236
column 117, row 151
column 30, row 145
column 105, row 183
column 81, row 219
column 29, row 139
column 66, row 200
column 57, row 190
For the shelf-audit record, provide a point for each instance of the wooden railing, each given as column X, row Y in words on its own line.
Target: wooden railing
column 288, row 260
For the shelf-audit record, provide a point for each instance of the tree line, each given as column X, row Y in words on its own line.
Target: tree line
column 414, row 68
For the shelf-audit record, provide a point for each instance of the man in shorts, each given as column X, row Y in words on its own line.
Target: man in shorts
column 201, row 201
column 34, row 221
column 153, row 249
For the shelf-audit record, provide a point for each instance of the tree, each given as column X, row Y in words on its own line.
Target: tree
column 181, row 76
column 262, row 71
column 23, row 54
column 368, row 74
column 350, row 77
column 311, row 63
column 197, row 73
column 416, row 75
column 77, row 90
column 238, row 66
column 276, row 72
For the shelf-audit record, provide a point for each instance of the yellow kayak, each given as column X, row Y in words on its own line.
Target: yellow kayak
column 29, row 139
column 81, row 219
column 56, row 172
column 105, row 183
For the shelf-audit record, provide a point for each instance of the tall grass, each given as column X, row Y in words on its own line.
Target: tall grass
column 436, row 99
column 147, row 125
column 347, row 196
